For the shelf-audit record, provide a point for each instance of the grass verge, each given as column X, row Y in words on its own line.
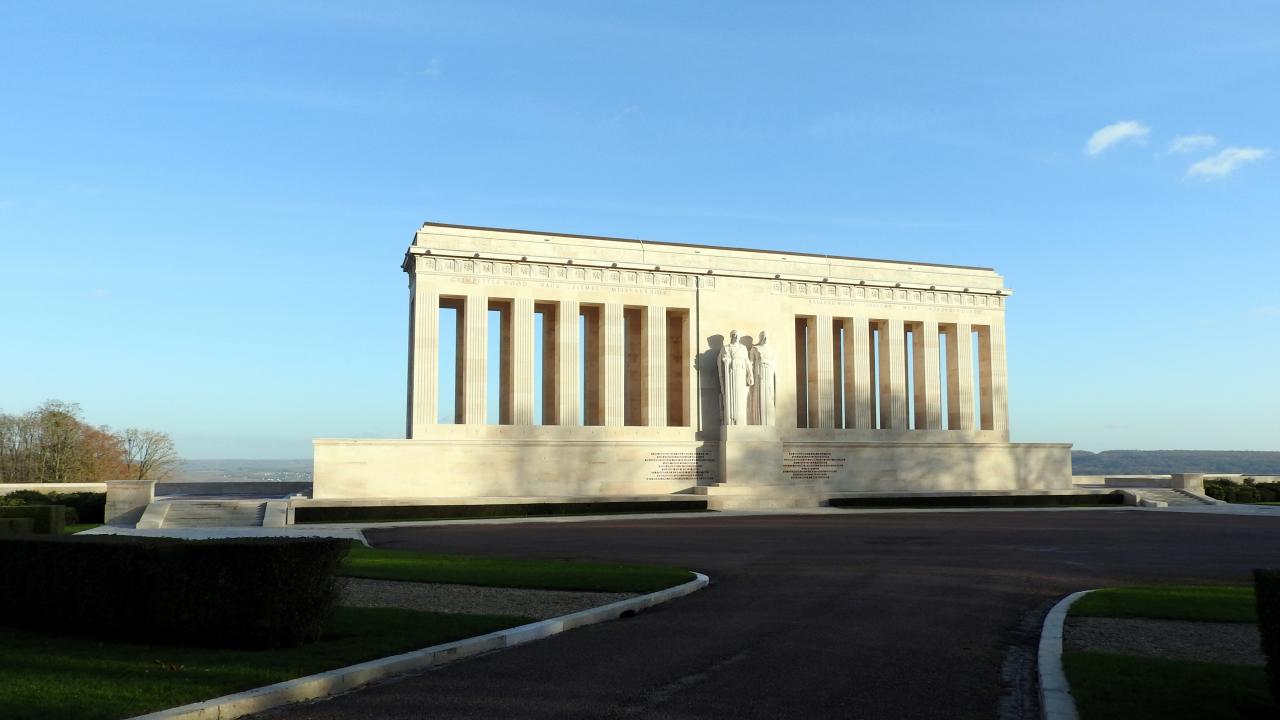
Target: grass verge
column 1120, row 687
column 410, row 566
column 1210, row 603
column 48, row 677
column 73, row 529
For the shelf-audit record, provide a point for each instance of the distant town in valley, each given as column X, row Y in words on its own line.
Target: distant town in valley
column 233, row 469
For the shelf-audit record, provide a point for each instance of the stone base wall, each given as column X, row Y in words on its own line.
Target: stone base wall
column 608, row 464
column 614, row 462
column 929, row 467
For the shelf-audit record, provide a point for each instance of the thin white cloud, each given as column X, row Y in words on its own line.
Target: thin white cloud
column 1266, row 311
column 625, row 113
column 1226, row 162
column 432, row 69
column 1184, row 144
column 1115, row 133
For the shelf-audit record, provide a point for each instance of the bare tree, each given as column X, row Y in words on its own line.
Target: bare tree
column 102, row 455
column 61, row 433
column 149, row 454
column 53, row 444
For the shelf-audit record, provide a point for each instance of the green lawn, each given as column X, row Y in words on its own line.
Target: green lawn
column 45, row 676
column 53, row 677
column 1220, row 603
column 507, row 572
column 1119, row 687
column 1108, row 686
column 73, row 529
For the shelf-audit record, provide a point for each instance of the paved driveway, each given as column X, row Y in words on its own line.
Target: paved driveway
column 911, row 615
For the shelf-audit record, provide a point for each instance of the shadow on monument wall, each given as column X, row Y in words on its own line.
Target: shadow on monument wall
column 709, row 387
column 753, row 397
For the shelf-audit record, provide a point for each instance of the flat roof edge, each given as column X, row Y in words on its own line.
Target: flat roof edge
column 708, row 247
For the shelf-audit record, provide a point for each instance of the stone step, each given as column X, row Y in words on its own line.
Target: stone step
column 742, row 489
column 1170, row 496
column 214, row 514
column 760, row 502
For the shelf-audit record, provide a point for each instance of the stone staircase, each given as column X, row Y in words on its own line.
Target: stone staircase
column 1171, row 497
column 208, row 513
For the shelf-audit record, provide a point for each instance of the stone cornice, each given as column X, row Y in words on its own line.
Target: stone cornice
column 524, row 268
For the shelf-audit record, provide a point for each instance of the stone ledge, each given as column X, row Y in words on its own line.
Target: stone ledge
column 1056, row 702
column 483, row 500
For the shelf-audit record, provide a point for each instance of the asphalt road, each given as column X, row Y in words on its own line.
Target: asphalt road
column 911, row 615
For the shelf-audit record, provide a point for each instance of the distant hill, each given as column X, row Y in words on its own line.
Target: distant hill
column 1159, row 462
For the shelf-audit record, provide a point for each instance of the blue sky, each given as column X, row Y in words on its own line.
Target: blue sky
column 203, row 205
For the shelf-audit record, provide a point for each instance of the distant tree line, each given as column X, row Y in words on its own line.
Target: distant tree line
column 1161, row 462
column 53, row 444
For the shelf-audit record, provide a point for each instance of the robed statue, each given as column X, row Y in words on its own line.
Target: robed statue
column 736, row 379
column 765, row 359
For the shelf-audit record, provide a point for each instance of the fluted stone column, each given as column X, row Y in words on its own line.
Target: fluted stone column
column 993, row 389
column 821, row 408
column 567, row 353
column 424, row 356
column 999, row 379
column 655, row 365
column 960, row 377
column 928, row 379
column 614, row 365
column 857, row 362
column 893, row 376
column 522, row 361
column 838, row 370
column 476, row 363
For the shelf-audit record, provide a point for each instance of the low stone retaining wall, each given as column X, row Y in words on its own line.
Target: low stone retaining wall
column 7, row 488
column 253, row 488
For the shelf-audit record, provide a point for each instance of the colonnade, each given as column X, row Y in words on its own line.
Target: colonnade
column 634, row 359
column 852, row 373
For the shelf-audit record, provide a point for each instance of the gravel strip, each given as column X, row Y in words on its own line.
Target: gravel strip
column 476, row 600
column 1233, row 643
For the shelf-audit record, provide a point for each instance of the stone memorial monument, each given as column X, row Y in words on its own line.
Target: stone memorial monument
column 612, row 380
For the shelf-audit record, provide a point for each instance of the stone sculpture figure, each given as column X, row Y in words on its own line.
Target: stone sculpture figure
column 736, row 379
column 765, row 360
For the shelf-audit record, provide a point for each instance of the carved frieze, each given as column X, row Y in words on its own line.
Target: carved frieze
column 859, row 293
column 543, row 271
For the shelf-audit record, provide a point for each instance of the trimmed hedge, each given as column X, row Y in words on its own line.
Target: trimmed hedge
column 16, row 526
column 974, row 501
column 1266, row 590
column 244, row 593
column 1247, row 491
column 47, row 519
column 390, row 513
column 83, row 507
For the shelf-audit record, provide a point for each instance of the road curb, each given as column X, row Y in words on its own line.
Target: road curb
column 333, row 682
column 1056, row 702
